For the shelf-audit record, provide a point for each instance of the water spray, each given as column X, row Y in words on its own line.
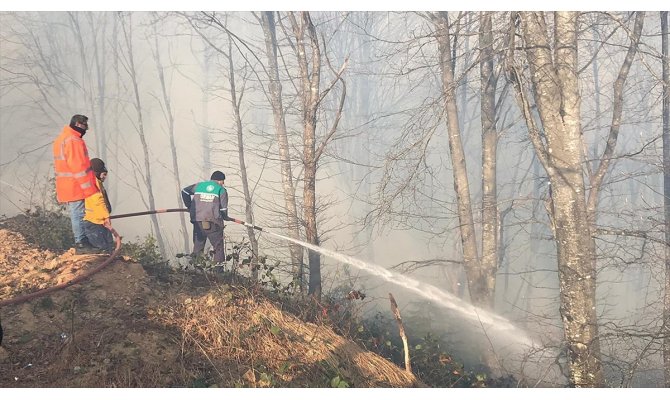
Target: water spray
column 425, row 290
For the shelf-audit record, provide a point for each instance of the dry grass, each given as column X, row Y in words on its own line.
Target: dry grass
column 248, row 341
column 126, row 328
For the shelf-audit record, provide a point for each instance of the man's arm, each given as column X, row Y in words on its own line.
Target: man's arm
column 186, row 194
column 223, row 205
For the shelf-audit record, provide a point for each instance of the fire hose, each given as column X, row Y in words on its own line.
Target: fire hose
column 43, row 292
column 167, row 210
column 117, row 239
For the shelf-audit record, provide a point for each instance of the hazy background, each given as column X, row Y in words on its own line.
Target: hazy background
column 56, row 64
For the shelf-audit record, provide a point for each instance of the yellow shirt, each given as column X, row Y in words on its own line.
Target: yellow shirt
column 96, row 209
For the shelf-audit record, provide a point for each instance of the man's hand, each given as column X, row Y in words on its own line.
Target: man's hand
column 107, row 223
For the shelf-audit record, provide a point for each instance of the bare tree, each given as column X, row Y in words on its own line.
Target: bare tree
column 490, row 246
column 204, row 129
column 481, row 279
column 275, row 98
column 129, row 64
column 558, row 145
column 248, row 196
column 597, row 178
column 166, row 106
column 42, row 67
column 461, row 184
column 666, row 190
column 312, row 96
column 99, row 23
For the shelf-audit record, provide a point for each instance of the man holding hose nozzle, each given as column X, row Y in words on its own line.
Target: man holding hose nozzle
column 207, row 203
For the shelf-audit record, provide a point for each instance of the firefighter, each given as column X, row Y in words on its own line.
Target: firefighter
column 75, row 180
column 208, row 207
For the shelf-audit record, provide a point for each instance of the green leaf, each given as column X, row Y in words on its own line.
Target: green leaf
column 417, row 347
column 275, row 330
column 338, row 382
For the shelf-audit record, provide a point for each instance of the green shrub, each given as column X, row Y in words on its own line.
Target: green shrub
column 47, row 229
column 144, row 251
column 430, row 361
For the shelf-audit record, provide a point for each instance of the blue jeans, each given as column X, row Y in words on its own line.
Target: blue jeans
column 77, row 219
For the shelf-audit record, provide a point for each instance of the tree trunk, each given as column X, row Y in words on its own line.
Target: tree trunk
column 173, row 147
column 268, row 22
column 309, row 93
column 100, row 60
column 248, row 201
column 85, row 82
column 599, row 175
column 116, row 45
column 490, row 246
column 204, row 104
column 140, row 132
column 476, row 281
column 556, row 93
column 666, row 191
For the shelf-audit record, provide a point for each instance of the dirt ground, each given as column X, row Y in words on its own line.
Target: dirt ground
column 130, row 326
column 77, row 337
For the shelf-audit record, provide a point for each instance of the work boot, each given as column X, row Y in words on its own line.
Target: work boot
column 84, row 247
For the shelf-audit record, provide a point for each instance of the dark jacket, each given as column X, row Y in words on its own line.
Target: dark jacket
column 206, row 201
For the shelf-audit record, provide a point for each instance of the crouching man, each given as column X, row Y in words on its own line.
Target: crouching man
column 96, row 218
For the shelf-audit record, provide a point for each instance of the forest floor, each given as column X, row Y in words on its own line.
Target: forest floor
column 136, row 326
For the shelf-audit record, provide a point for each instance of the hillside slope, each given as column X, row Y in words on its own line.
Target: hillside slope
column 131, row 326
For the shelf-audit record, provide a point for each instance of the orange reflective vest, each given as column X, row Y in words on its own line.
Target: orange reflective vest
column 75, row 179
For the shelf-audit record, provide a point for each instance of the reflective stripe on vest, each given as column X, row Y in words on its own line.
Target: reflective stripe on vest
column 83, row 173
column 61, row 155
column 74, row 175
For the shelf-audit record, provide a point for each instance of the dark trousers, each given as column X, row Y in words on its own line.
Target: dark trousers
column 215, row 236
column 99, row 236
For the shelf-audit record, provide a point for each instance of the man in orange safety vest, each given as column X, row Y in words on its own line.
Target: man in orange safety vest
column 75, row 180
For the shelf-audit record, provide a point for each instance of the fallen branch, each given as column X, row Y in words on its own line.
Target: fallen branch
column 401, row 328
